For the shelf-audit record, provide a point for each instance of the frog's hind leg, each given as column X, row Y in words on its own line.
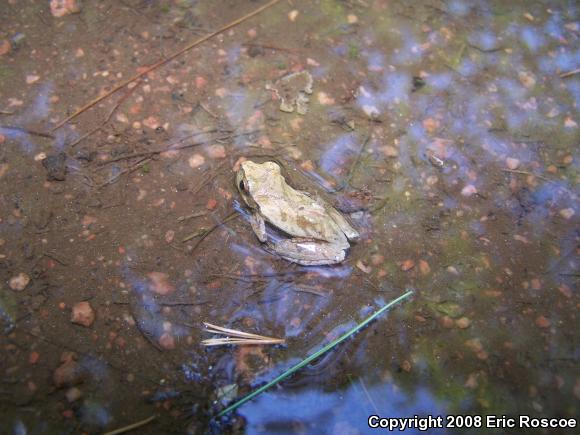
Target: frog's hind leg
column 308, row 252
column 259, row 226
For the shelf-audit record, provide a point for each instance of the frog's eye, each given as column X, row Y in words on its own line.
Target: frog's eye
column 242, row 186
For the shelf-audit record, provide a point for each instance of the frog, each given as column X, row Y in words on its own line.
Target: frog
column 315, row 233
column 293, row 90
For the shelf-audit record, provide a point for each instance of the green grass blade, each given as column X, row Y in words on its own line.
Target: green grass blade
column 315, row 355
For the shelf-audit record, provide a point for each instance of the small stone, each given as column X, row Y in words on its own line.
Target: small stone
column 32, row 78
column 390, row 151
column 325, row 99
column 292, row 15
column 512, row 163
column 527, row 79
column 60, row 8
column 542, row 322
column 5, row 47
column 570, row 123
column 73, row 394
column 447, row 322
column 567, row 213
column 34, row 357
column 169, row 236
column 424, row 267
column 351, row 19
column 167, row 341
column 19, row 282
column 211, row 204
column 68, row 373
column 469, row 190
column 151, row 122
column 83, row 314
column 216, row 151
column 160, row 283
column 407, row 265
column 196, row 160
column 463, row 323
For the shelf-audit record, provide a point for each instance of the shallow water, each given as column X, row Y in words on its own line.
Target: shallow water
column 447, row 131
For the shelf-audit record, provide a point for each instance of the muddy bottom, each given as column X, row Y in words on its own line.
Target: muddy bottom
column 445, row 132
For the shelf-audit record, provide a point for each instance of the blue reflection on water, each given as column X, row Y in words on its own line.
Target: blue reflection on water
column 321, row 412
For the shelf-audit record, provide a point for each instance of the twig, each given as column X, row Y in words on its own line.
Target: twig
column 569, row 73
column 27, row 131
column 513, row 171
column 128, row 170
column 207, row 232
column 108, row 118
column 173, row 147
column 191, row 216
column 164, row 61
column 131, row 426
column 271, row 47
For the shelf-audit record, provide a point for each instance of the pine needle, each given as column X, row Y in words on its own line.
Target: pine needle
column 239, row 337
column 315, row 355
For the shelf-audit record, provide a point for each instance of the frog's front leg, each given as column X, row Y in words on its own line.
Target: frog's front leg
column 259, row 226
column 308, row 252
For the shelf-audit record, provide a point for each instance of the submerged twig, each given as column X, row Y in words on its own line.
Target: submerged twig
column 569, row 73
column 514, row 171
column 353, row 167
column 27, row 131
column 131, row 426
column 108, row 118
column 315, row 355
column 164, row 61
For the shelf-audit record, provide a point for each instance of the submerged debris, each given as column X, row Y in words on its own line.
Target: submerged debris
column 293, row 91
column 55, row 166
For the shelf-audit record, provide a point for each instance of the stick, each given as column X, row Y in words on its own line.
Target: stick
column 513, row 171
column 163, row 62
column 108, row 118
column 27, row 131
column 131, row 426
column 570, row 73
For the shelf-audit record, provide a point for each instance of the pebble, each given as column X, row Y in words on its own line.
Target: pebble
column 19, row 282
column 160, row 283
column 5, row 47
column 196, row 160
column 463, row 323
column 390, row 151
column 216, row 151
column 73, row 394
column 542, row 322
column 407, row 265
column 512, row 163
column 60, row 8
column 424, row 267
column 31, row 78
column 211, row 204
column 169, row 236
column 567, row 213
column 469, row 190
column 83, row 314
column 292, row 15
column 167, row 341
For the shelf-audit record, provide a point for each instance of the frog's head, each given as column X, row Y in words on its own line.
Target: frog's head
column 251, row 176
